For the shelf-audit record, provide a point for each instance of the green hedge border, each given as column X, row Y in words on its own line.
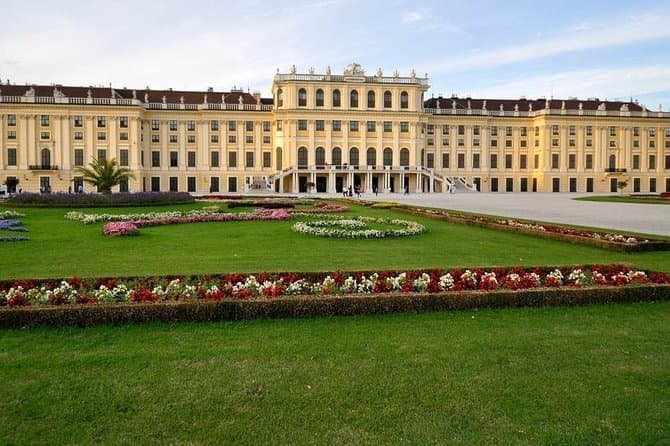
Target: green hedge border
column 310, row 306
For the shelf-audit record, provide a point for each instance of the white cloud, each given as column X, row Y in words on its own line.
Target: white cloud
column 411, row 16
column 632, row 30
column 611, row 83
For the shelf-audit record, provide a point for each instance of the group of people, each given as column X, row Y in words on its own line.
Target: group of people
column 351, row 191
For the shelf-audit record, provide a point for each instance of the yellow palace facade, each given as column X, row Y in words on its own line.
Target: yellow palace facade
column 327, row 132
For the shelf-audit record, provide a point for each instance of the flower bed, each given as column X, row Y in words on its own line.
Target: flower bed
column 268, row 204
column 120, row 229
column 7, row 223
column 612, row 241
column 61, row 199
column 357, row 228
column 235, row 296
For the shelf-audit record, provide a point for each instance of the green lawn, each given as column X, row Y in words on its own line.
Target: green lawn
column 625, row 199
column 588, row 375
column 62, row 248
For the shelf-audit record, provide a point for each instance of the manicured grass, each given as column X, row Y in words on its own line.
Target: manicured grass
column 62, row 248
column 625, row 199
column 588, row 375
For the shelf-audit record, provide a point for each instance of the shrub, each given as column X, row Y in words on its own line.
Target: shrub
column 99, row 200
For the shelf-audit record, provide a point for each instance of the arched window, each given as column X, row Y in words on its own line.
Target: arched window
column 353, row 156
column 337, row 156
column 388, row 156
column 280, row 98
column 319, row 98
column 46, row 157
column 302, row 158
column 388, row 102
column 302, row 98
column 371, row 99
column 404, row 157
column 404, row 100
column 278, row 159
column 612, row 162
column 371, row 156
column 337, row 100
column 320, row 157
column 353, row 99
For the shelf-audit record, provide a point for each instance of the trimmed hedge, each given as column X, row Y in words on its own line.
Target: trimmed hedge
column 64, row 200
column 308, row 306
column 267, row 204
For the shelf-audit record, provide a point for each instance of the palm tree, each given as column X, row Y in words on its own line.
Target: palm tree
column 105, row 174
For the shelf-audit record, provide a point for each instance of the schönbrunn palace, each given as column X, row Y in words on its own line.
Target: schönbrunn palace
column 328, row 132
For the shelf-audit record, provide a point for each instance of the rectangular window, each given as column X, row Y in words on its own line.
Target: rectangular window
column 190, row 139
column 523, row 183
column 78, row 121
column 267, row 160
column 232, row 159
column 266, row 139
column 494, row 143
column 554, row 142
column 461, row 142
column 214, row 159
column 249, row 139
column 214, row 125
column 337, row 125
column 155, row 184
column 430, row 160
column 554, row 130
column 508, row 131
column 613, row 144
column 123, row 122
column 523, row 143
column 372, row 127
column 494, row 161
column 173, row 125
column 190, row 184
column 190, row 126
column 173, row 139
column 589, row 185
column 11, row 157
column 266, row 126
column 667, row 162
column 44, row 120
column 232, row 126
column 249, row 159
column 589, row 130
column 509, row 184
column 11, row 120
column 174, row 184
column 494, row 131
column 102, row 155
column 475, row 142
column 571, row 143
column 461, row 160
column 445, row 129
column 554, row 160
column 78, row 157
column 508, row 161
column 523, row 161
column 45, row 135
column 652, row 132
column 589, row 143
column 302, row 124
column 652, row 162
column 102, row 136
column 11, row 134
column 232, row 139
column 536, row 161
column 430, row 129
column 191, row 158
column 572, row 161
column 445, row 160
column 404, row 127
column 319, row 125
column 636, row 185
column 636, row 162
column 652, row 185
column 174, row 158
column 154, row 138
column 123, row 136
column 353, row 126
column 612, row 131
column 508, row 143
column 494, row 185
column 155, row 158
column 388, row 126
column 214, row 184
column 461, row 130
column 589, row 161
column 155, row 124
column 249, row 126
column 123, row 157
column 636, row 131
column 232, row 184
column 445, row 141
column 475, row 160
column 572, row 184
column 572, row 130
column 475, row 130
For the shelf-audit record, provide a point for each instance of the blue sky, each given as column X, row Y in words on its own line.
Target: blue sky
column 605, row 49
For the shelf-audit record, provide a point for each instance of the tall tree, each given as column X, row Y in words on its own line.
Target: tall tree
column 105, row 174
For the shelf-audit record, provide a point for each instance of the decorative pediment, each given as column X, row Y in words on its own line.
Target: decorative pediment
column 354, row 69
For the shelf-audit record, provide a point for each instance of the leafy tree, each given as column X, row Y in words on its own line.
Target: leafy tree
column 621, row 185
column 105, row 174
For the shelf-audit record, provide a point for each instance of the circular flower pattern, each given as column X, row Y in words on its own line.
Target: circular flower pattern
column 358, row 228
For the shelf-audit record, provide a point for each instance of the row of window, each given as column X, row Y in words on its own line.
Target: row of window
column 173, row 184
column 354, row 126
column 523, row 131
column 353, row 98
column 213, row 125
column 214, row 139
column 214, row 159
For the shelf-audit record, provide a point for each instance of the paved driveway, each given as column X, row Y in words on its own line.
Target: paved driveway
column 552, row 207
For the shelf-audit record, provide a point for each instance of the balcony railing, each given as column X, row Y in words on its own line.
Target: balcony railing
column 615, row 170
column 43, row 167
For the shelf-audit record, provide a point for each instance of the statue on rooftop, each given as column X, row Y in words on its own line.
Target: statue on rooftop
column 354, row 69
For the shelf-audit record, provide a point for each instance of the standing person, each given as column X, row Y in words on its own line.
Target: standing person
column 351, row 192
